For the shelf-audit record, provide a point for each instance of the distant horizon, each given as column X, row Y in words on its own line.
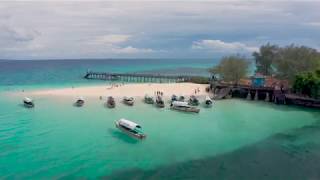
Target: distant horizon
column 130, row 58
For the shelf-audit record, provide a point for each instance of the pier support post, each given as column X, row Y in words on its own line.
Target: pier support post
column 267, row 97
column 249, row 96
column 256, row 96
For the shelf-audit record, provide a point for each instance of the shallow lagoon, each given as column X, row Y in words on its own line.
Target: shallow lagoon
column 56, row 139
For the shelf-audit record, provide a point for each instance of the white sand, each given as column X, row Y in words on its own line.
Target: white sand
column 135, row 90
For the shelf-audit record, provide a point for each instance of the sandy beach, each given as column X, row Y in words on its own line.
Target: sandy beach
column 120, row 90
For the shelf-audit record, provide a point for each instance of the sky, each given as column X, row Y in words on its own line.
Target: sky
column 149, row 29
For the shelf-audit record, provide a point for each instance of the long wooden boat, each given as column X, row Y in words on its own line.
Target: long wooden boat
column 111, row 102
column 128, row 101
column 183, row 106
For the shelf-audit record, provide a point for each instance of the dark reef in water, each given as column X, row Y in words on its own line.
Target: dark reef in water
column 291, row 155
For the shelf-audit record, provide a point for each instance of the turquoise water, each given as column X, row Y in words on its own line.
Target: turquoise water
column 57, row 140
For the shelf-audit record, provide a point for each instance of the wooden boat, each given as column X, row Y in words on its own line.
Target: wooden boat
column 111, row 102
column 174, row 98
column 193, row 101
column 148, row 99
column 131, row 128
column 183, row 106
column 181, row 98
column 208, row 101
column 79, row 102
column 159, row 102
column 128, row 101
column 28, row 102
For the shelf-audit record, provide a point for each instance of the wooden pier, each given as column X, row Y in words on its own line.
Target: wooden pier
column 137, row 77
column 249, row 92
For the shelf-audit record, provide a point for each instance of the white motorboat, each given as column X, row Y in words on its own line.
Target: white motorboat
column 28, row 102
column 130, row 128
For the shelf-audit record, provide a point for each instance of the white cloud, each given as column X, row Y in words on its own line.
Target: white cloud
column 222, row 47
column 131, row 50
column 110, row 39
column 315, row 24
column 76, row 29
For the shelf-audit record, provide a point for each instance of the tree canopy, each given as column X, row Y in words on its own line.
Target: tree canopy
column 265, row 58
column 286, row 62
column 308, row 83
column 231, row 68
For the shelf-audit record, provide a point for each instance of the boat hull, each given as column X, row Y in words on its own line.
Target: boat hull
column 28, row 105
column 192, row 110
column 149, row 101
column 78, row 104
column 129, row 103
column 110, row 105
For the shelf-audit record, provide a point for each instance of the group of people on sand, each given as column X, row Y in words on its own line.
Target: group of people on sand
column 115, row 85
column 196, row 90
column 158, row 93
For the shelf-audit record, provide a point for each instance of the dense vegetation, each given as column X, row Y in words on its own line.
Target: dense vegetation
column 231, row 68
column 308, row 83
column 286, row 62
column 300, row 65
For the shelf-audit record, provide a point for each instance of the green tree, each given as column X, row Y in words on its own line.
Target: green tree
column 293, row 60
column 231, row 68
column 265, row 58
column 308, row 83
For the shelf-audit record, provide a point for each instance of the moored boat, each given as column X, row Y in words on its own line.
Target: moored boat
column 208, row 101
column 79, row 102
column 181, row 98
column 159, row 102
column 174, row 98
column 28, row 102
column 183, row 106
column 130, row 128
column 193, row 101
column 128, row 101
column 111, row 102
column 148, row 99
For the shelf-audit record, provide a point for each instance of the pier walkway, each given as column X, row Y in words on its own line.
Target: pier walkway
column 137, row 77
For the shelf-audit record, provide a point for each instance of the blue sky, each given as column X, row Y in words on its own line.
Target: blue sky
column 171, row 29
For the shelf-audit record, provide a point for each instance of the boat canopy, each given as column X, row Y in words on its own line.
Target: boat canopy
column 147, row 96
column 128, row 98
column 128, row 124
column 180, row 103
column 28, row 100
column 80, row 98
column 208, row 98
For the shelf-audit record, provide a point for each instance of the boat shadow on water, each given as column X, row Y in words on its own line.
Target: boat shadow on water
column 122, row 136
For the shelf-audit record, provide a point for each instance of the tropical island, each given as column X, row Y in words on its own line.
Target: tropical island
column 289, row 74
